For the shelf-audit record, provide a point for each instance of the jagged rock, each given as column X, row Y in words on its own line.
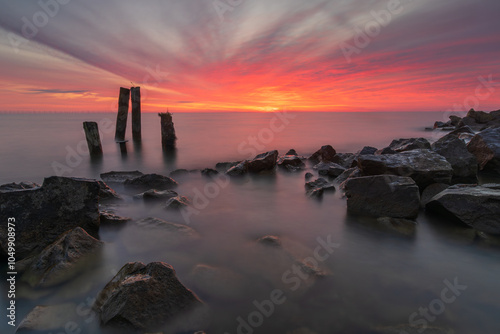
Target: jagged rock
column 291, row 152
column 120, row 177
column 386, row 150
column 62, row 259
column 439, row 124
column 325, row 154
column 330, row 169
column 316, row 188
column 209, row 172
column 480, row 117
column 470, row 122
column 455, row 151
column 177, row 202
column 147, row 298
column 107, row 194
column 225, row 166
column 288, row 161
column 50, row 318
column 151, row 181
column 178, row 172
column 460, row 130
column 383, row 196
column 110, row 218
column 43, row 214
column 346, row 160
column 423, row 166
column 486, row 147
column 367, row 150
column 238, row 170
column 476, row 206
column 8, row 187
column 350, row 173
column 263, row 162
column 153, row 195
column 455, row 120
column 408, row 144
column 270, row 240
column 431, row 191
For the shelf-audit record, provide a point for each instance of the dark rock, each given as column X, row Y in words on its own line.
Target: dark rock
column 455, row 120
column 308, row 175
column 238, row 170
column 324, row 154
column 317, row 187
column 462, row 129
column 400, row 226
column 158, row 225
column 431, row 191
column 330, row 169
column 408, row 144
column 177, row 202
column 476, row 206
column 470, row 122
column 50, row 318
column 110, row 218
column 423, row 166
column 455, row 151
column 145, row 298
column 486, row 147
column 270, row 240
column 346, row 160
column 315, row 193
column 386, row 150
column 209, row 172
column 383, row 196
column 153, row 195
column 62, row 259
column 43, row 214
column 8, row 187
column 439, row 124
column 178, row 172
column 107, row 194
column 291, row 152
column 263, row 162
column 225, row 166
column 291, row 161
column 119, row 177
column 350, row 173
column 480, row 117
column 151, row 181
column 367, row 150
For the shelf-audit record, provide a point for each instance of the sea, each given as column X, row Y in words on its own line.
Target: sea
column 371, row 278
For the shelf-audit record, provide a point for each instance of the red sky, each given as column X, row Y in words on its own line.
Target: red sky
column 256, row 56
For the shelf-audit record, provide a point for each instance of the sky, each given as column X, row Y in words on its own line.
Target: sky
column 250, row 55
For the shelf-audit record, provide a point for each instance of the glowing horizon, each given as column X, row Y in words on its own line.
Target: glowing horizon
column 192, row 56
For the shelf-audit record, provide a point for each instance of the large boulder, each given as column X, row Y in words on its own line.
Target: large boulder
column 325, row 154
column 146, row 298
column 291, row 162
column 263, row 162
column 486, row 147
column 43, row 214
column 383, row 196
column 151, row 181
column 62, row 259
column 425, row 167
column 463, row 162
column 480, row 117
column 238, row 170
column 408, row 144
column 476, row 206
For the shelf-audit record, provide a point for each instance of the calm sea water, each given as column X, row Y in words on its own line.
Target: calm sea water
column 374, row 278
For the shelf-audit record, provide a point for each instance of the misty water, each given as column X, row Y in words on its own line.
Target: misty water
column 373, row 278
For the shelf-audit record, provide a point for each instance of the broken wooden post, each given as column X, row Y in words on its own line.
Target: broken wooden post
column 136, row 113
column 168, row 137
column 121, row 118
column 93, row 138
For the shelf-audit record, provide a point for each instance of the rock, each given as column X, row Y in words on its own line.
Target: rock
column 350, row 173
column 324, row 154
column 486, row 147
column 209, row 172
column 177, row 202
column 178, row 172
column 153, row 195
column 487, row 239
column 288, row 161
column 291, row 152
column 315, row 193
column 51, row 318
column 431, row 191
column 308, row 175
column 439, row 124
column 462, row 129
column 220, row 283
column 225, row 166
column 119, row 177
column 238, row 170
column 43, row 214
column 62, row 259
column 8, row 187
column 270, row 240
column 423, row 166
column 146, row 298
column 455, row 151
column 476, row 206
column 383, row 196
column 400, row 226
column 455, row 120
column 107, row 194
column 151, row 181
column 403, row 145
column 480, row 117
column 347, row 160
column 110, row 218
column 386, row 150
column 158, row 225
column 330, row 169
column 317, row 187
column 367, row 150
column 263, row 162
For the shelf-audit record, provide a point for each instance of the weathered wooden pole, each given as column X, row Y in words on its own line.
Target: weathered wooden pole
column 121, row 118
column 168, row 137
column 136, row 112
column 93, row 138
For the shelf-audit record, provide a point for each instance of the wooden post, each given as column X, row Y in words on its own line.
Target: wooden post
column 121, row 118
column 168, row 137
column 136, row 113
column 93, row 138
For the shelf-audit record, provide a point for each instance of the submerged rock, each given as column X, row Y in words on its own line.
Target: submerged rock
column 324, row 154
column 106, row 194
column 225, row 166
column 486, row 147
column 153, row 195
column 425, row 167
column 147, row 298
column 178, row 172
column 8, row 187
column 400, row 226
column 383, row 196
column 60, row 261
column 270, row 240
column 177, row 202
column 263, row 162
column 43, row 214
column 49, row 318
column 476, row 206
column 120, row 177
column 209, row 172
column 455, row 151
column 151, row 181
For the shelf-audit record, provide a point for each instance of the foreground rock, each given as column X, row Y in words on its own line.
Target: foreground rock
column 476, row 206
column 455, row 151
column 151, row 181
column 53, row 318
column 120, row 177
column 423, row 166
column 263, row 162
column 324, row 154
column 383, row 196
column 486, row 147
column 62, row 259
column 43, row 214
column 148, row 298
